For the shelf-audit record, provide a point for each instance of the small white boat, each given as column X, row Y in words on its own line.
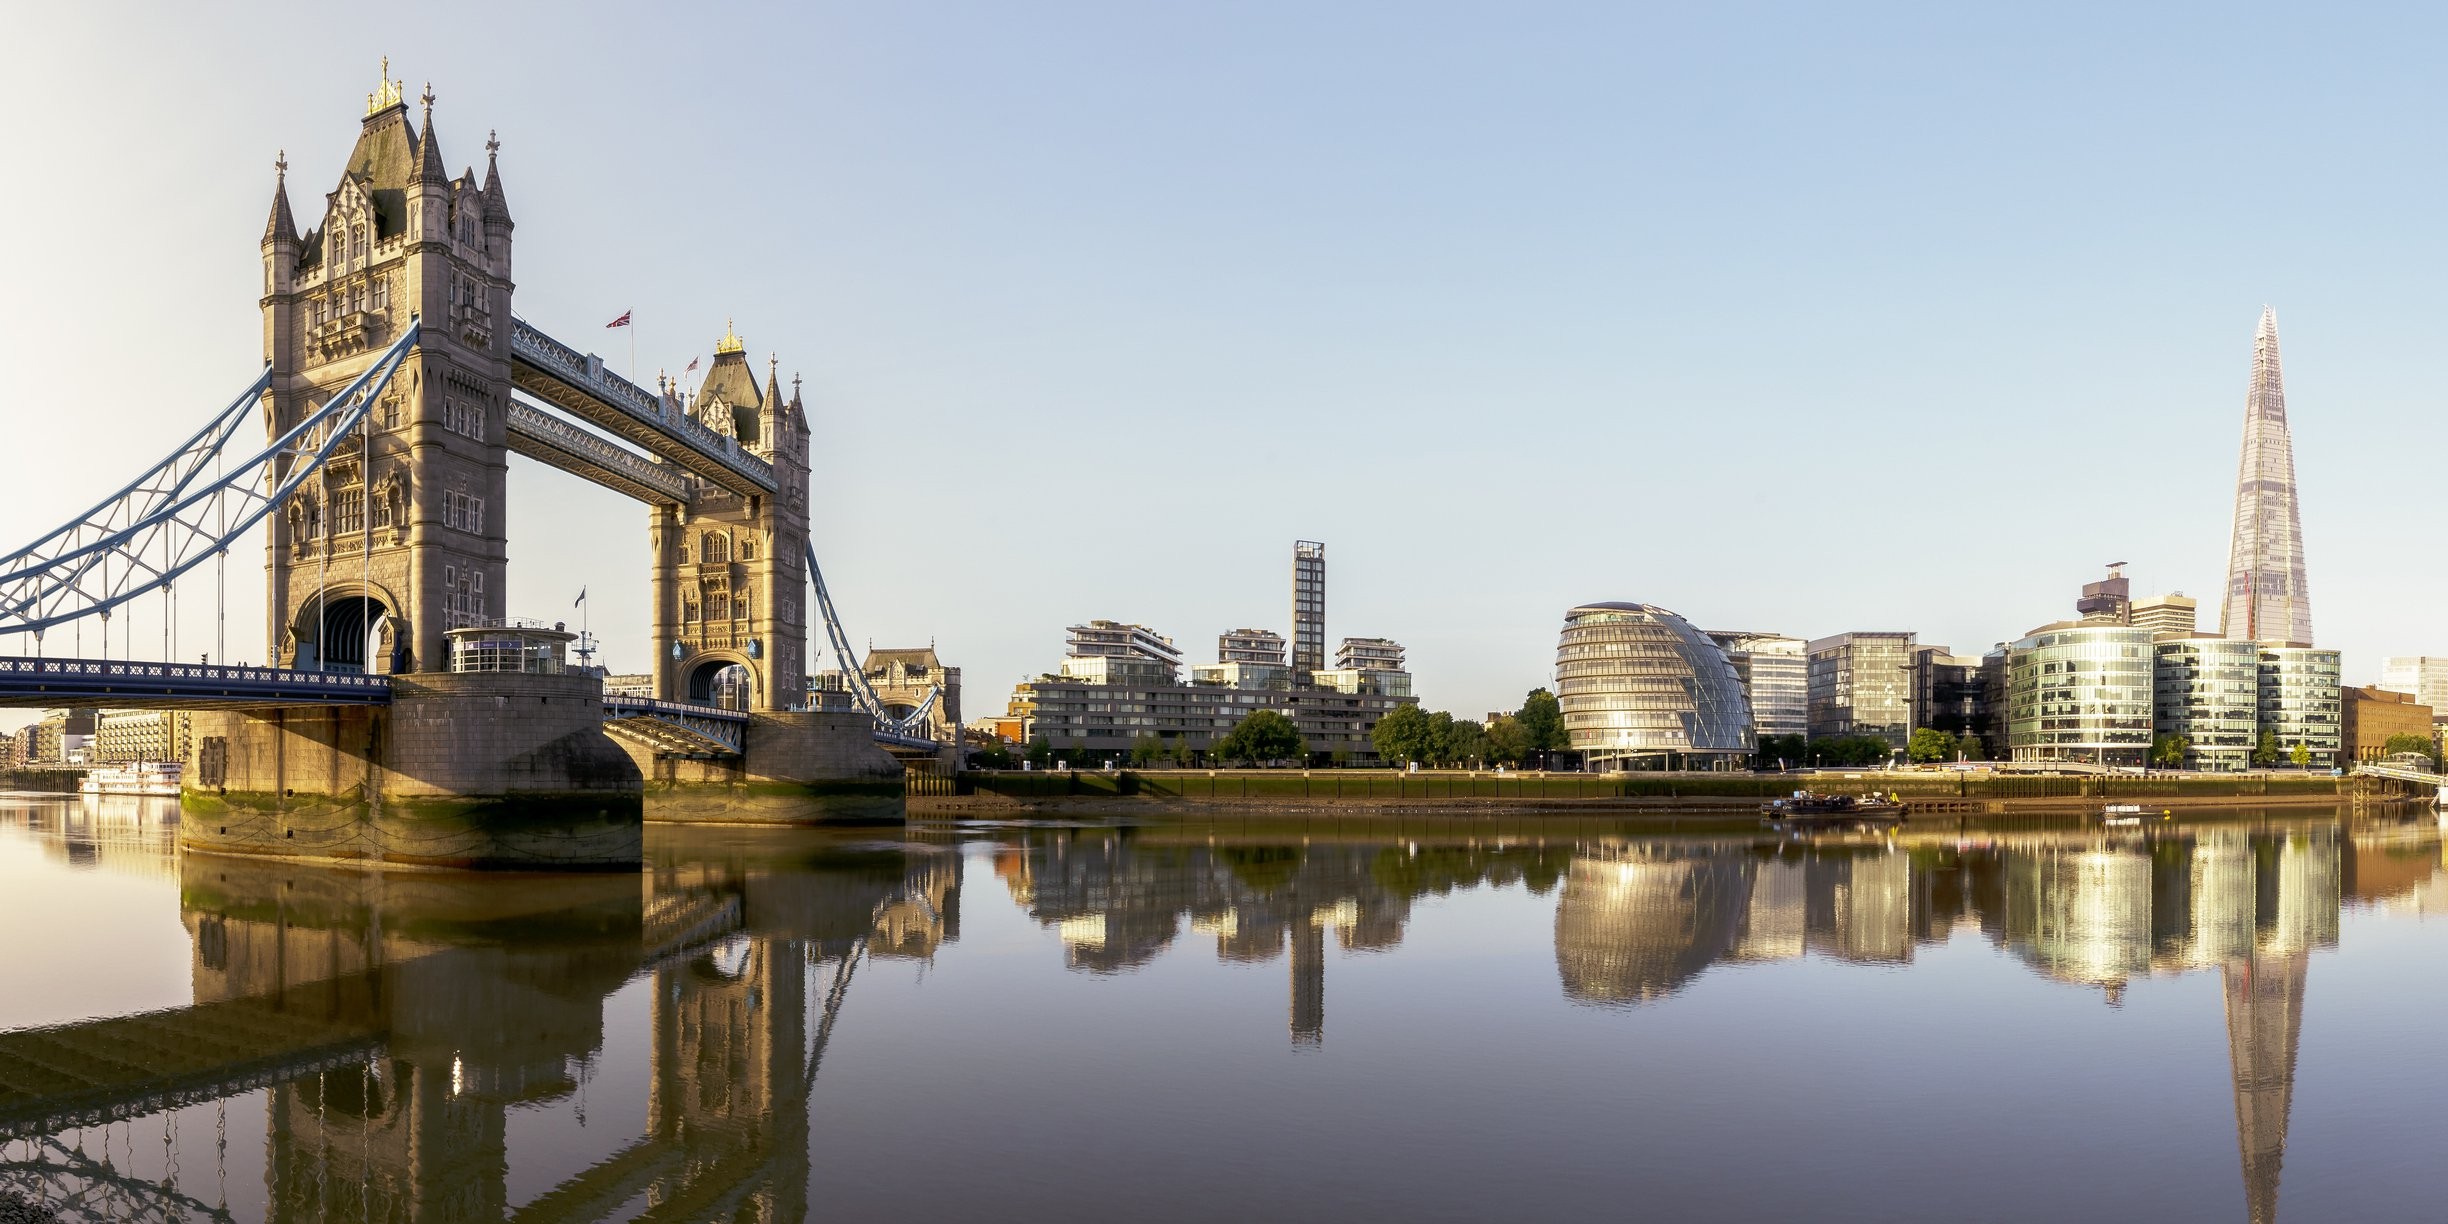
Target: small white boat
column 2122, row 809
column 141, row 778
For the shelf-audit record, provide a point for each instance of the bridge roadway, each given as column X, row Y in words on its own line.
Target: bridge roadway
column 2401, row 773
column 128, row 684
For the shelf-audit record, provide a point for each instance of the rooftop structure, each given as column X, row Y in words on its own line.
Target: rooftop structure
column 1369, row 654
column 1104, row 637
column 1250, row 646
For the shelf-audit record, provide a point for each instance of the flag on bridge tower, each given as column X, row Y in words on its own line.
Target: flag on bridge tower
column 622, row 321
column 581, row 597
column 692, row 366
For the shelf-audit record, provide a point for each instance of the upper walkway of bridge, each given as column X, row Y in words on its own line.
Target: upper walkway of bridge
column 578, row 383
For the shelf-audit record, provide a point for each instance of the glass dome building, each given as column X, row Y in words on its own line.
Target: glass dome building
column 1641, row 689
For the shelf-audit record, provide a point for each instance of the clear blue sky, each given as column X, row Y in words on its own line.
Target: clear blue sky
column 1803, row 318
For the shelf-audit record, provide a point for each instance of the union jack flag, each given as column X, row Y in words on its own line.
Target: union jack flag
column 622, row 321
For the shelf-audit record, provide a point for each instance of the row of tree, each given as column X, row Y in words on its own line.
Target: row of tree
column 1409, row 734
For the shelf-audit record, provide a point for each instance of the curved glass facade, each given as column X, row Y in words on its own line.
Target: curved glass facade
column 1638, row 685
column 2080, row 692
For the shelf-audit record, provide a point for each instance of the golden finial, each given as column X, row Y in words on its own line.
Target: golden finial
column 386, row 91
column 731, row 342
column 280, row 167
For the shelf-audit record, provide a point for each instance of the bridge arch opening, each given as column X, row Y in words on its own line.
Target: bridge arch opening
column 352, row 636
column 721, row 682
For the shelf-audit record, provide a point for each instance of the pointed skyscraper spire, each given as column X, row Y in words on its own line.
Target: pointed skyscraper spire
column 2267, row 600
column 281, row 227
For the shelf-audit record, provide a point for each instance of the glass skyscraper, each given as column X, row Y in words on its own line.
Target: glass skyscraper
column 2266, row 598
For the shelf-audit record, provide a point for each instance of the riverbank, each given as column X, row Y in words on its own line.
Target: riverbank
column 1730, row 798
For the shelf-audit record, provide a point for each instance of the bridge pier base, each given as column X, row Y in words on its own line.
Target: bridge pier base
column 814, row 767
column 483, row 770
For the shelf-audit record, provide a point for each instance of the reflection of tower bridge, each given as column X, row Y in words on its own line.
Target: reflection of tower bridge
column 396, row 383
column 370, row 1007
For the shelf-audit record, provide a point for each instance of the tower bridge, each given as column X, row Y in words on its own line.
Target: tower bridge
column 396, row 381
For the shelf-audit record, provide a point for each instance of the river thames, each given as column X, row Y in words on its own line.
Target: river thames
column 1439, row 1020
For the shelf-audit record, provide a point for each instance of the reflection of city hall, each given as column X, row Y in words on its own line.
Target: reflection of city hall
column 396, row 1027
column 1639, row 921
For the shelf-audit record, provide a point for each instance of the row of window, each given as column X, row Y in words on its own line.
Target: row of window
column 465, row 417
column 464, row 511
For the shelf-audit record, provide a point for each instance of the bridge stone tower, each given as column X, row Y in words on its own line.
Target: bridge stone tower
column 730, row 569
column 402, row 536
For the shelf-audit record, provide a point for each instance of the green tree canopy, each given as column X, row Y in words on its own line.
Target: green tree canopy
column 1266, row 735
column 1508, row 740
column 1402, row 735
column 1850, row 750
column 1544, row 720
column 2265, row 752
column 1040, row 753
column 1929, row 746
column 2407, row 741
column 2168, row 751
column 1786, row 751
column 2300, row 755
column 1146, row 749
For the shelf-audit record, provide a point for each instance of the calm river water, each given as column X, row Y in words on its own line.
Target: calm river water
column 2229, row 1020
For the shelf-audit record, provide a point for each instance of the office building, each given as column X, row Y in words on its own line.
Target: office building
column 1640, row 688
column 2369, row 715
column 2207, row 690
column 2422, row 677
column 1308, row 607
column 2266, row 599
column 2080, row 691
column 2170, row 615
column 2110, row 599
column 2301, row 700
column 1861, row 684
column 1948, row 693
column 1775, row 676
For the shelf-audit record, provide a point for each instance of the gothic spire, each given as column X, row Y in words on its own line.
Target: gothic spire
column 281, row 227
column 429, row 149
column 2266, row 600
column 773, row 380
column 496, row 207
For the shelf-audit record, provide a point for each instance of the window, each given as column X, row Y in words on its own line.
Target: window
column 717, row 548
column 357, row 241
column 390, row 410
column 747, row 548
column 464, row 512
column 465, row 417
column 348, row 510
column 382, row 293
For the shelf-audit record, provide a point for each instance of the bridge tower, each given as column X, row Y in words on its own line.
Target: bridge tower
column 730, row 574
column 401, row 537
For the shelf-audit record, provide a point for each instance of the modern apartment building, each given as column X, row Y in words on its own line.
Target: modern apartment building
column 1861, row 684
column 126, row 736
column 1308, row 607
column 1263, row 646
column 1775, row 675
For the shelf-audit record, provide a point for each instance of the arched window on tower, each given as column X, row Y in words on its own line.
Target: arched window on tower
column 357, row 241
column 717, row 548
column 747, row 548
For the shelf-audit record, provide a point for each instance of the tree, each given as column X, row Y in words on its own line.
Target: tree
column 2301, row 755
column 1266, row 735
column 1850, row 750
column 1402, row 735
column 1971, row 747
column 2168, row 751
column 1466, row 743
column 2265, row 753
column 1544, row 720
column 1929, row 746
column 1146, row 749
column 1040, row 753
column 997, row 757
column 1781, row 751
column 2407, row 741
column 1508, row 740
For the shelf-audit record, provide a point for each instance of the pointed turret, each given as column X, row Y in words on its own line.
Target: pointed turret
column 496, row 204
column 2267, row 599
column 429, row 169
column 282, row 227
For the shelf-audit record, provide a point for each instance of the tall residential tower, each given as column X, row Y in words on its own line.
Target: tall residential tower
column 2267, row 600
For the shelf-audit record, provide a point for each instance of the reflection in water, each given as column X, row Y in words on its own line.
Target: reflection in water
column 395, row 1023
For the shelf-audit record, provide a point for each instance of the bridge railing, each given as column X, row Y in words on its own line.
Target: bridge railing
column 54, row 680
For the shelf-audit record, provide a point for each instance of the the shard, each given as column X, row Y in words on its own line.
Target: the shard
column 2267, row 600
